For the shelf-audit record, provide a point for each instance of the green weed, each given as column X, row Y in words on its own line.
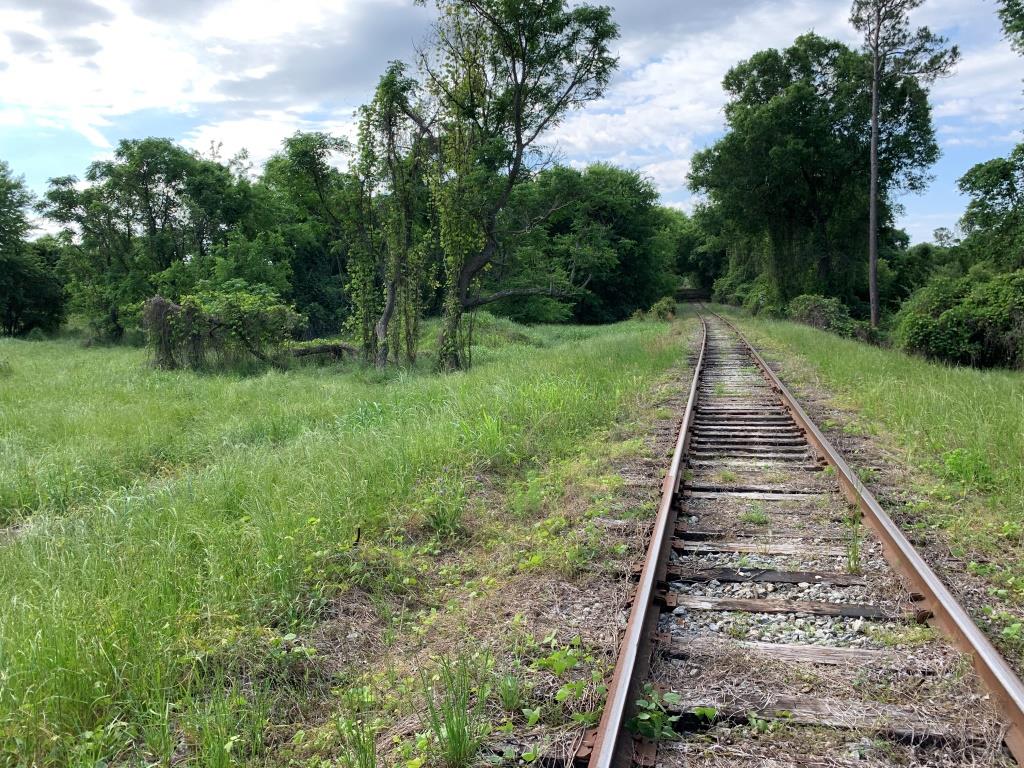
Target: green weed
column 455, row 704
column 853, row 544
column 756, row 515
column 652, row 720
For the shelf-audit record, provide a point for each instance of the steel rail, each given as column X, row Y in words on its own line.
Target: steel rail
column 946, row 611
column 623, row 686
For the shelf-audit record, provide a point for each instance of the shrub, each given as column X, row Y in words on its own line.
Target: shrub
column 824, row 312
column 663, row 309
column 967, row 321
column 36, row 334
column 219, row 327
column 760, row 297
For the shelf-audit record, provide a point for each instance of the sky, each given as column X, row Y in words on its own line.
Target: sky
column 78, row 75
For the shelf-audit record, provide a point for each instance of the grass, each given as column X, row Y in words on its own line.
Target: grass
column 179, row 530
column 961, row 429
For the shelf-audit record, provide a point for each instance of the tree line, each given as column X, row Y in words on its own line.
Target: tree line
column 446, row 202
column 799, row 197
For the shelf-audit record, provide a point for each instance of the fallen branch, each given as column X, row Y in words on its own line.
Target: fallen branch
column 335, row 350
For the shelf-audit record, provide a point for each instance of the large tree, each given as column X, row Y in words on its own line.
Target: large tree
column 897, row 54
column 500, row 74
column 788, row 181
column 1011, row 14
column 149, row 208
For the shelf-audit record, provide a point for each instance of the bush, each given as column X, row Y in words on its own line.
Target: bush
column 222, row 328
column 760, row 297
column 825, row 312
column 663, row 309
column 36, row 334
column 967, row 321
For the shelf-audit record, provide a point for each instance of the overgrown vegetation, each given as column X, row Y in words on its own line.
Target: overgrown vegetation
column 172, row 557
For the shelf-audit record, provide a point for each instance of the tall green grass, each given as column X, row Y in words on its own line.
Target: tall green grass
column 962, row 425
column 128, row 625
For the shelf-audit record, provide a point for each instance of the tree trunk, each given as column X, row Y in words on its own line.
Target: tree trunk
column 873, row 200
column 380, row 330
column 449, row 357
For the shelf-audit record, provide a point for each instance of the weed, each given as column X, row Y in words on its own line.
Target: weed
column 727, row 476
column 652, row 720
column 853, row 544
column 510, row 693
column 359, row 743
column 912, row 634
column 444, row 506
column 969, row 468
column 756, row 515
column 456, row 711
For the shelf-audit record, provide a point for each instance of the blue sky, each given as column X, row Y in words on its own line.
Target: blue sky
column 77, row 75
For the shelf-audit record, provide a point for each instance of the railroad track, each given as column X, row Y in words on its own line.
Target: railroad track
column 779, row 616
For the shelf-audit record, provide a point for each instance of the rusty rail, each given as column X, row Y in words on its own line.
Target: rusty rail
column 946, row 611
column 609, row 748
column 634, row 651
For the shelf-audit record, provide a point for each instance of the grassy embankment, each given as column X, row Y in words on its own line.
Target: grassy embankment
column 960, row 429
column 172, row 532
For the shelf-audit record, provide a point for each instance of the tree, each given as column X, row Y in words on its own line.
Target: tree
column 1011, row 14
column 153, row 205
column 897, row 53
column 599, row 229
column 393, row 152
column 315, row 209
column 786, row 187
column 31, row 296
column 501, row 73
column 15, row 200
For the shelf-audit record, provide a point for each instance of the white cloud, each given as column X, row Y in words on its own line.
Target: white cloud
column 261, row 134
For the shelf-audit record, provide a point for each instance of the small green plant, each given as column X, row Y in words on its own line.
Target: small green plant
column 358, row 741
column 727, row 476
column 455, row 711
column 756, row 515
column 652, row 720
column 532, row 716
column 510, row 693
column 969, row 468
column 853, row 546
column 444, row 506
column 705, row 714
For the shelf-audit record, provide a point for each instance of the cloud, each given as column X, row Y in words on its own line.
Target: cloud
column 79, row 45
column 261, row 134
column 62, row 14
column 174, row 10
column 24, row 43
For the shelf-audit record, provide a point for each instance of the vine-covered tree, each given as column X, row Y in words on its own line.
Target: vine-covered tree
column 393, row 154
column 898, row 55
column 500, row 74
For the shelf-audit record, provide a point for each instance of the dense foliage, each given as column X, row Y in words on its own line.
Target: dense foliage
column 31, row 295
column 445, row 203
column 787, row 185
